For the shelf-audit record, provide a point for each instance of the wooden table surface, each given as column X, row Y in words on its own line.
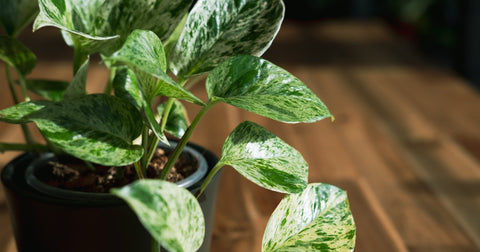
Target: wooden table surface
column 405, row 143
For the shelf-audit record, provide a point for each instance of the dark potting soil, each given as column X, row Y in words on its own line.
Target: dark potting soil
column 77, row 176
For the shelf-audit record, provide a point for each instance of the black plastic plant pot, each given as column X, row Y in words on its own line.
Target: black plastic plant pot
column 46, row 219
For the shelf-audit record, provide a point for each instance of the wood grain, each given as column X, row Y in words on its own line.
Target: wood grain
column 405, row 142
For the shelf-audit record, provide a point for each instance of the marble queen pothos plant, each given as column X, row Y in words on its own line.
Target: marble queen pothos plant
column 159, row 48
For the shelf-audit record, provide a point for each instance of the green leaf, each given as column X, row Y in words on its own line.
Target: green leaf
column 217, row 30
column 318, row 219
column 256, row 85
column 170, row 213
column 265, row 159
column 19, row 112
column 77, row 87
column 16, row 14
column 48, row 89
column 98, row 128
column 99, row 25
column 17, row 55
column 143, row 51
column 125, row 85
column 177, row 122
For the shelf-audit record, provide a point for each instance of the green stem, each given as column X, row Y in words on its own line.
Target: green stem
column 11, row 85
column 146, row 146
column 209, row 178
column 193, row 81
column 109, row 87
column 22, row 147
column 26, row 131
column 184, row 140
column 139, row 171
column 166, row 113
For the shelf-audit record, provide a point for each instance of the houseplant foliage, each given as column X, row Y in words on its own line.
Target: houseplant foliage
column 159, row 48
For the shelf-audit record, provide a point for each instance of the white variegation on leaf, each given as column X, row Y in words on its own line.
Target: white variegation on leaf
column 259, row 86
column 265, row 159
column 170, row 213
column 98, row 128
column 217, row 30
column 93, row 24
column 143, row 51
column 19, row 112
column 317, row 219
column 17, row 55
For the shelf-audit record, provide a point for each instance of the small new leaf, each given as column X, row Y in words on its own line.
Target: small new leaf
column 143, row 52
column 317, row 219
column 265, row 159
column 170, row 213
column 256, row 85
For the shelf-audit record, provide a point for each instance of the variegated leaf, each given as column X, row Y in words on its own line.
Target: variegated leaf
column 19, row 112
column 177, row 122
column 16, row 14
column 143, row 51
column 125, row 85
column 48, row 89
column 256, row 85
column 98, row 128
column 265, row 159
column 217, row 30
column 77, row 86
column 100, row 24
column 170, row 213
column 17, row 55
column 318, row 219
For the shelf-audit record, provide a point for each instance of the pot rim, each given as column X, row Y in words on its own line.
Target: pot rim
column 104, row 198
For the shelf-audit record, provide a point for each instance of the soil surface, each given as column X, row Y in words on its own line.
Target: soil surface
column 75, row 175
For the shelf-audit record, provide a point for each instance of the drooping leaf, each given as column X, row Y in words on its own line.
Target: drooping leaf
column 170, row 213
column 48, row 89
column 19, row 112
column 265, row 159
column 16, row 14
column 125, row 85
column 318, row 219
column 77, row 86
column 177, row 122
column 217, row 30
column 17, row 55
column 98, row 128
column 99, row 25
column 256, row 85
column 143, row 51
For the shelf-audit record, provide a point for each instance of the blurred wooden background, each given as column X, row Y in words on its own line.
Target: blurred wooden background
column 405, row 143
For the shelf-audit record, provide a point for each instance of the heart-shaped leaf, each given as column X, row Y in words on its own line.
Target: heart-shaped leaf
column 318, row 219
column 77, row 86
column 177, row 122
column 98, row 128
column 48, row 89
column 143, row 51
column 99, row 25
column 170, row 213
column 256, row 85
column 16, row 14
column 265, row 159
column 217, row 30
column 17, row 55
